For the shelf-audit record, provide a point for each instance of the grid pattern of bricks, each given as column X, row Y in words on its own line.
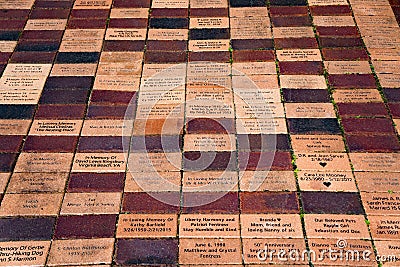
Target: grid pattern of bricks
column 192, row 132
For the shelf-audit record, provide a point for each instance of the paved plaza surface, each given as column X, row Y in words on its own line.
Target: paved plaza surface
column 199, row 133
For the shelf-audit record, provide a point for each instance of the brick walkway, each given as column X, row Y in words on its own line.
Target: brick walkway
column 199, row 132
